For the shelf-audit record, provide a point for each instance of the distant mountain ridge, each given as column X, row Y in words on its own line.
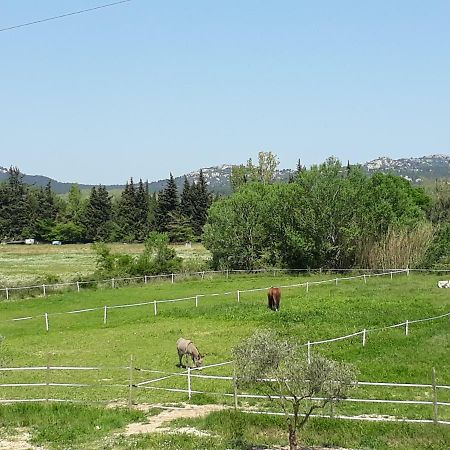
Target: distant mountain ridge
column 218, row 177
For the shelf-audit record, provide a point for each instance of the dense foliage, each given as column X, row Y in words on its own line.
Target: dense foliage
column 29, row 212
column 328, row 216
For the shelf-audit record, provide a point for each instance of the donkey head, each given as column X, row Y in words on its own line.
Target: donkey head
column 198, row 360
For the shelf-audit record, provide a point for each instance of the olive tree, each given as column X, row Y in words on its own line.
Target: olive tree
column 280, row 370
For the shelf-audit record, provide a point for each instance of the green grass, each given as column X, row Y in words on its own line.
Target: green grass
column 218, row 324
column 63, row 425
column 29, row 264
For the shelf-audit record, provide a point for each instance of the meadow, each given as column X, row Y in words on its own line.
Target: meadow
column 30, row 264
column 135, row 335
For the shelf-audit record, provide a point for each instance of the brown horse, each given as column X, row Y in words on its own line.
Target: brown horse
column 274, row 297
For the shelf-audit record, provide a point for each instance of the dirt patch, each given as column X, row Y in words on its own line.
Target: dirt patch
column 170, row 413
column 20, row 441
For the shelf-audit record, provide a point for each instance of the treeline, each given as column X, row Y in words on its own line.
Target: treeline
column 30, row 212
column 329, row 216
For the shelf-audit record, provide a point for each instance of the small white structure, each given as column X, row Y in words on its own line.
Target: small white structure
column 56, row 242
column 444, row 284
column 29, row 241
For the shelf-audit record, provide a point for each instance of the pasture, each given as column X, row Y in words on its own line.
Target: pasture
column 28, row 264
column 135, row 336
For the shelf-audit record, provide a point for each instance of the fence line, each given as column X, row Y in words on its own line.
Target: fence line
column 309, row 344
column 144, row 385
column 112, row 282
column 195, row 297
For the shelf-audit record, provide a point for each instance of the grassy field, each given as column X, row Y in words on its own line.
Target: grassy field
column 28, row 264
column 215, row 326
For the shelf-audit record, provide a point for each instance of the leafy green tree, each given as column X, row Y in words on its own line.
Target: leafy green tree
column 280, row 370
column 68, row 232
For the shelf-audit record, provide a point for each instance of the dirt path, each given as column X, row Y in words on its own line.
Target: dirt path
column 170, row 413
column 20, row 441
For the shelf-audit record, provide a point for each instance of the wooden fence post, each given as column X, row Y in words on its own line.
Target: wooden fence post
column 435, row 405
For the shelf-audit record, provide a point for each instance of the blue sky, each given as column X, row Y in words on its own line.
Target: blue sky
column 148, row 87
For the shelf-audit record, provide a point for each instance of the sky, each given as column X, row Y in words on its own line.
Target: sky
column 149, row 87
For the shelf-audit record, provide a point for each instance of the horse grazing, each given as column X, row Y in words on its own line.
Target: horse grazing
column 274, row 297
column 186, row 347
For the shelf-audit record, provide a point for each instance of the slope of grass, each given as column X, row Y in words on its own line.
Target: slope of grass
column 217, row 324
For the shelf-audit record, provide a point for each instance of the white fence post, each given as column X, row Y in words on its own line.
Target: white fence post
column 307, row 286
column 364, row 338
column 235, row 391
column 238, row 296
column 196, row 301
column 406, row 327
column 203, row 275
column 407, row 271
column 173, row 276
column 309, row 352
column 435, row 406
column 46, row 322
column 227, row 274
column 391, row 275
column 7, row 294
column 336, row 281
column 365, row 279
column 189, row 382
column 78, row 286
column 112, row 283
column 145, row 279
column 105, row 315
column 130, row 394
column 43, row 287
column 154, row 307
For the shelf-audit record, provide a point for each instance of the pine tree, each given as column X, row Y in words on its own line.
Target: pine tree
column 142, row 211
column 167, row 204
column 186, row 202
column 98, row 213
column 201, row 200
column 14, row 206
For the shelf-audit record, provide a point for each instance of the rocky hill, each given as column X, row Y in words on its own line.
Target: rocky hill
column 416, row 170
